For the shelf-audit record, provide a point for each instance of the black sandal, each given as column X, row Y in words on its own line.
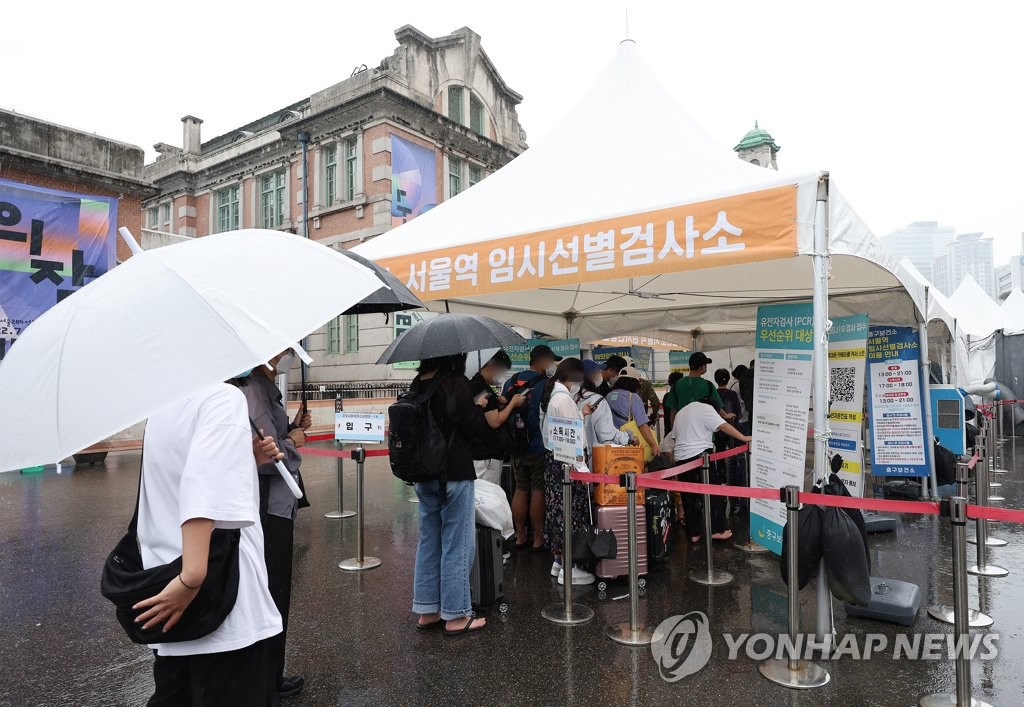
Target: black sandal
column 429, row 627
column 468, row 628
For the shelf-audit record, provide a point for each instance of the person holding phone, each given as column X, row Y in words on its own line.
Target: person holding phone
column 277, row 504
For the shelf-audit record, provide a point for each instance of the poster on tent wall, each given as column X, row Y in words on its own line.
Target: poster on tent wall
column 733, row 230
column 649, row 341
column 782, row 394
column 413, row 180
column 520, row 353
column 403, row 322
column 897, row 411
column 679, row 362
column 51, row 244
column 847, row 360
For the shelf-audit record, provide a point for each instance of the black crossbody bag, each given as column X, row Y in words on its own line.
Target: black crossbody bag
column 125, row 583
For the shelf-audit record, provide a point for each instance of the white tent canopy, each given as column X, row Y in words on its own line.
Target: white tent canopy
column 984, row 317
column 1013, row 312
column 646, row 224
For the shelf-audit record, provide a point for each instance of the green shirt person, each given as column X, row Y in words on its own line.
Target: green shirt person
column 693, row 387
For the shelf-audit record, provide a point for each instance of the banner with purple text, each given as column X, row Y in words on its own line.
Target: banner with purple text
column 51, row 244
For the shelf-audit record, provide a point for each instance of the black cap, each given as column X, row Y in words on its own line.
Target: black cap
column 698, row 359
column 543, row 350
column 615, row 363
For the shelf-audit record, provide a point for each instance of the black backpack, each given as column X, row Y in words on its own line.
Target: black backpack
column 417, row 446
column 514, row 433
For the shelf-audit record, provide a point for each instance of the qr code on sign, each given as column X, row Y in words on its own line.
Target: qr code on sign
column 843, row 380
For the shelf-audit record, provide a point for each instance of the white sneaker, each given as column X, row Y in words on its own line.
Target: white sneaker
column 556, row 569
column 579, row 577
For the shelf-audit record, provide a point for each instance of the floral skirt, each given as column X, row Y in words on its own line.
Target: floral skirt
column 554, row 525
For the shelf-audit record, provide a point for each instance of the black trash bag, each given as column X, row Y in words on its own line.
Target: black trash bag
column 945, row 465
column 808, row 546
column 844, row 545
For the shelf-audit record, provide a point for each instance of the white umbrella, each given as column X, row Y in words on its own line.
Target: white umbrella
column 165, row 324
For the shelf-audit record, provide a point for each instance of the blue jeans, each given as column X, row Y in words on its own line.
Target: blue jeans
column 446, row 550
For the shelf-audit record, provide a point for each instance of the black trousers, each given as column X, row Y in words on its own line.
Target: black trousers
column 278, row 541
column 236, row 678
column 693, row 503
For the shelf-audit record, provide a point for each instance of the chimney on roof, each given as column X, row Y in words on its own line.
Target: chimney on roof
column 190, row 140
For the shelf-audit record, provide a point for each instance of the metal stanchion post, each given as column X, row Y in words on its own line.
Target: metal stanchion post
column 710, row 576
column 962, row 698
column 998, row 449
column 986, row 465
column 359, row 562
column 989, row 540
column 983, row 569
column 341, row 512
column 567, row 613
column 792, row 671
column 945, row 612
column 632, row 632
column 749, row 545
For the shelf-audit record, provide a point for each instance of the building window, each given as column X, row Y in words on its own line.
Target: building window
column 153, row 216
column 351, row 167
column 476, row 115
column 330, row 155
column 227, row 209
column 476, row 174
column 165, row 215
column 454, row 176
column 455, row 103
column 334, row 336
column 272, row 199
column 351, row 333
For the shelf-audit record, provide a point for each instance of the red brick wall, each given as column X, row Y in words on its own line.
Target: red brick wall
column 129, row 208
column 204, row 226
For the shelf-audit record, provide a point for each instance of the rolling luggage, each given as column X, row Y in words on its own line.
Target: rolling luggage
column 892, row 600
column 661, row 513
column 487, row 578
column 614, row 518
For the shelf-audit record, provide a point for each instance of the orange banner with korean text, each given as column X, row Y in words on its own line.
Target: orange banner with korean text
column 750, row 227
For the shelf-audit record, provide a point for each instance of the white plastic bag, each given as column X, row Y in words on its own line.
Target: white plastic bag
column 492, row 509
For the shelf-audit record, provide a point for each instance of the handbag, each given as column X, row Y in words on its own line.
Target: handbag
column 593, row 544
column 125, row 582
column 633, row 429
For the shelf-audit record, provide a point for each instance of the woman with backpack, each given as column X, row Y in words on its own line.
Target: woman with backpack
column 626, row 405
column 559, row 400
column 447, row 542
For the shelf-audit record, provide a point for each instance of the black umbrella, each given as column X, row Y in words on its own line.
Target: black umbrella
column 449, row 334
column 384, row 300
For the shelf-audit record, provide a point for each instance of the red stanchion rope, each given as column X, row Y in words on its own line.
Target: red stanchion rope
column 871, row 504
column 320, row 437
column 974, row 460
column 990, row 513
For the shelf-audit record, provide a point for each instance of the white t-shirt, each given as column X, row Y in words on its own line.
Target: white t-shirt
column 198, row 463
column 693, row 429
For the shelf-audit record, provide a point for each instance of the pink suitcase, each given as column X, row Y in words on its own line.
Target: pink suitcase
column 614, row 518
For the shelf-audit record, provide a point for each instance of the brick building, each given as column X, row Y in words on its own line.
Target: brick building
column 438, row 100
column 37, row 152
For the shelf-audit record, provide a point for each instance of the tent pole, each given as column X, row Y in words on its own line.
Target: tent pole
column 824, row 630
column 926, row 396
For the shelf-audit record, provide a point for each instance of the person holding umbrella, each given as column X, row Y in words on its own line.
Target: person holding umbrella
column 278, row 505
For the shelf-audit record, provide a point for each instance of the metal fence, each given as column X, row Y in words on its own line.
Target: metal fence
column 349, row 391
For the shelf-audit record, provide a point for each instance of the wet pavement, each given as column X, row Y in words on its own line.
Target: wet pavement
column 352, row 635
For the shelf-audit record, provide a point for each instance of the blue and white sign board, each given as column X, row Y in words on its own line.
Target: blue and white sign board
column 359, row 427
column 948, row 423
column 898, row 445
column 565, row 439
column 847, row 356
column 784, row 351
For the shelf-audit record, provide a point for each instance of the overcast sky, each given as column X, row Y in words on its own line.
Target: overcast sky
column 916, row 108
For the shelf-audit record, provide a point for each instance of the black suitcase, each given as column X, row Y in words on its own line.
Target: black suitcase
column 661, row 514
column 487, row 578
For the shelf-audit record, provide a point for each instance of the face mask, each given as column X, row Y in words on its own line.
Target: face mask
column 574, row 388
column 612, row 380
column 550, row 370
column 597, row 380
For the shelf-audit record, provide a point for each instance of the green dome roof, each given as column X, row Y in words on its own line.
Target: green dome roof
column 755, row 138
